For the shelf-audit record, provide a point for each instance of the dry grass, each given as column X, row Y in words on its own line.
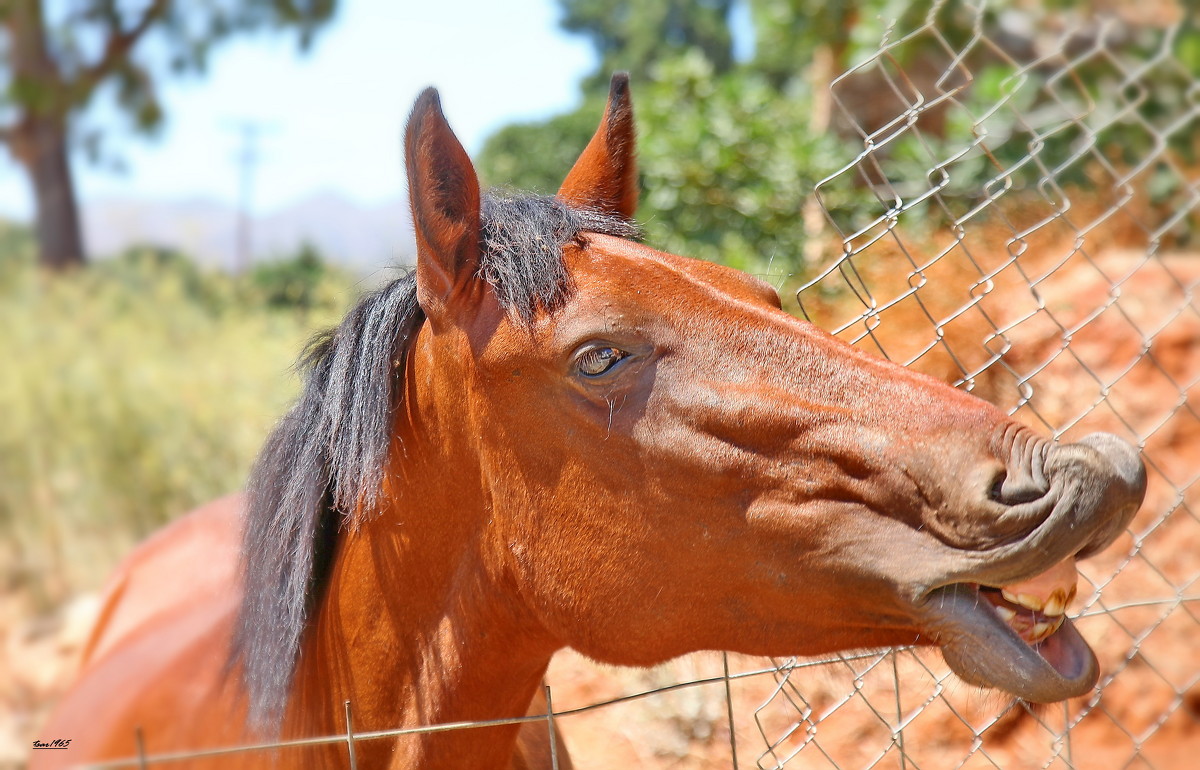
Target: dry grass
column 130, row 396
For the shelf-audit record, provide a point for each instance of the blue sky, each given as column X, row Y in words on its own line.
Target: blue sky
column 333, row 119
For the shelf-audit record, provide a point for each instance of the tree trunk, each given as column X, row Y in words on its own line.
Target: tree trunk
column 821, row 74
column 59, row 235
column 39, row 137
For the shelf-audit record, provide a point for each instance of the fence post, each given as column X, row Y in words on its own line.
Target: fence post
column 350, row 738
column 550, row 727
column 899, row 712
column 729, row 712
column 140, row 741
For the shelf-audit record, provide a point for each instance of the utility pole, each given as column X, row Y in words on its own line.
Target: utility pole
column 247, row 159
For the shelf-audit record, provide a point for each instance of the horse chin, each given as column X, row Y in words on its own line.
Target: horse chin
column 984, row 650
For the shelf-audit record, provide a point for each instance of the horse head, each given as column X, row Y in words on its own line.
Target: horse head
column 673, row 463
column 574, row 439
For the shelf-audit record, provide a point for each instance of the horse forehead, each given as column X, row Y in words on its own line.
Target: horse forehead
column 630, row 269
column 623, row 290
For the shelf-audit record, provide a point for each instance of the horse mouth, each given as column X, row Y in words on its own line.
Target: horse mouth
column 1022, row 643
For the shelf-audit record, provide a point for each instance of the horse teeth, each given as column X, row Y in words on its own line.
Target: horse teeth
column 1045, row 629
column 1028, row 601
column 1005, row 614
column 1056, row 604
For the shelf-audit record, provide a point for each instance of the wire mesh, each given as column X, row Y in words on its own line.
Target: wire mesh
column 1032, row 188
column 1045, row 259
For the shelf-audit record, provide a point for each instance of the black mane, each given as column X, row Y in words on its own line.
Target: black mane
column 320, row 470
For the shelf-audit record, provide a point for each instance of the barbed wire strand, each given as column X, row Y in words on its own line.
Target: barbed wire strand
column 780, row 668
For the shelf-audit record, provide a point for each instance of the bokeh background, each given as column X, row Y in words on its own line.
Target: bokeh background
column 1004, row 194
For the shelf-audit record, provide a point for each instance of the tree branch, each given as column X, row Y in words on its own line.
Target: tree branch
column 118, row 48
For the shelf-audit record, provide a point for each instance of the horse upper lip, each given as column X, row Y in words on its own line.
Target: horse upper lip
column 1096, row 486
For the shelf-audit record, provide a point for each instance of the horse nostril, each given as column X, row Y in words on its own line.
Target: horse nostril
column 1007, row 490
column 996, row 491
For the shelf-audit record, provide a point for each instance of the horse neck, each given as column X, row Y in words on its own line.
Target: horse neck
column 420, row 623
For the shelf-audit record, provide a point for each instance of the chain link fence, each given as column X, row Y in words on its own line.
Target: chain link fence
column 1045, row 257
column 1032, row 188
column 1030, row 234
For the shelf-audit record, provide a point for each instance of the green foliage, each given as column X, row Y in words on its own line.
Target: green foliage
column 788, row 32
column 726, row 165
column 145, row 269
column 1124, row 106
column 727, row 154
column 730, row 153
column 95, row 43
column 135, row 390
column 299, row 282
column 537, row 156
column 17, row 252
column 635, row 36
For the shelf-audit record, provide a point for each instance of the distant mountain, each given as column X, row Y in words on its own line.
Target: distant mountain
column 362, row 238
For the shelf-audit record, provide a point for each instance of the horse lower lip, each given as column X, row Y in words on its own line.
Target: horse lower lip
column 984, row 650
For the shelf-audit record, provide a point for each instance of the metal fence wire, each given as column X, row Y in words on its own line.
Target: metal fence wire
column 1044, row 255
column 1016, row 214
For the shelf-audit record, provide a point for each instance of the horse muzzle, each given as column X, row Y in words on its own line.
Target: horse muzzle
column 1001, row 621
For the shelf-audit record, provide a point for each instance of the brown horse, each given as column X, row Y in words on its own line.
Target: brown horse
column 549, row 435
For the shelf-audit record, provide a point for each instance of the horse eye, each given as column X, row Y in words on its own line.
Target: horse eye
column 597, row 361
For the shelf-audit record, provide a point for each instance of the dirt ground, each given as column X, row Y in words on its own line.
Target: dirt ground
column 1132, row 367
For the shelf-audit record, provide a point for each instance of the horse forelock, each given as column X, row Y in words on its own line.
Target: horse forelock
column 521, row 240
column 322, row 468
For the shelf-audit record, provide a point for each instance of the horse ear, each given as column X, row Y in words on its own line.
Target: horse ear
column 443, row 191
column 605, row 176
